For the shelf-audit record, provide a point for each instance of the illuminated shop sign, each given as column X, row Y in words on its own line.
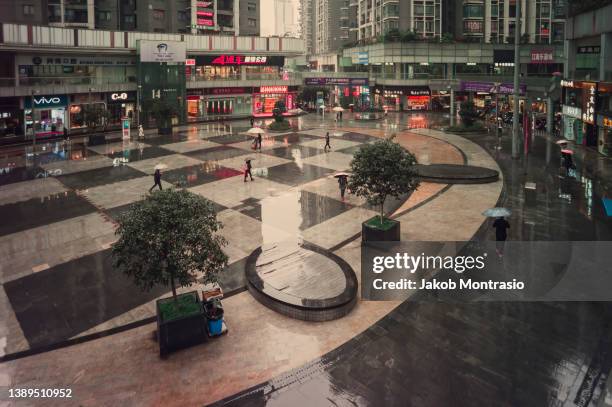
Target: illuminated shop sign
column 588, row 114
column 119, row 96
column 205, row 23
column 567, row 84
column 204, row 13
column 235, row 60
column 190, row 62
column 204, row 4
column 572, row 111
column 51, row 101
column 542, row 56
column 336, row 81
column 274, row 89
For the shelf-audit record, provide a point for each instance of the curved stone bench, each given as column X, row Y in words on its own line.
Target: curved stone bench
column 304, row 282
column 456, row 174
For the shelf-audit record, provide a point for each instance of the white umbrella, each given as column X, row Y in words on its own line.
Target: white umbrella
column 161, row 166
column 497, row 212
column 338, row 109
column 561, row 142
column 256, row 130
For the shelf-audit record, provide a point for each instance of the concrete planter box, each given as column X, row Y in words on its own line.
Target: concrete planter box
column 181, row 332
column 373, row 234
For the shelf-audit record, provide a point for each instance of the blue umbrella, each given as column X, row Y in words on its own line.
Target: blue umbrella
column 497, row 212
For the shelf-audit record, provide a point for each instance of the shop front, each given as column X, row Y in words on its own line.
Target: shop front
column 121, row 105
column 87, row 110
column 45, row 115
column 399, row 98
column 266, row 97
column 344, row 91
column 210, row 103
column 604, row 136
column 11, row 118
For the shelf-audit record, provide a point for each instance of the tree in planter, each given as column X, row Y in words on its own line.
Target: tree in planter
column 161, row 111
column 468, row 114
column 381, row 170
column 169, row 238
column 94, row 115
column 279, row 120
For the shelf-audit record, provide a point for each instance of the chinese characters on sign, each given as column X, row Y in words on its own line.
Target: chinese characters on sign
column 542, row 56
column 273, row 89
column 588, row 114
column 239, row 60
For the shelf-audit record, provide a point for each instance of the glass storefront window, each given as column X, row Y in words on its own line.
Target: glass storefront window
column 216, row 73
column 78, row 112
column 263, row 72
column 45, row 120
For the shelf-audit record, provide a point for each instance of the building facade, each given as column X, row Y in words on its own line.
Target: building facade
column 232, row 17
column 54, row 77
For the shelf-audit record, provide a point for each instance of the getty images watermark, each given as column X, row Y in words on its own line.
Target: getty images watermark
column 486, row 271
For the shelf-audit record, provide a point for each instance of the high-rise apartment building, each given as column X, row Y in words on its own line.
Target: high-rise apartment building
column 543, row 21
column 239, row 17
column 307, row 24
column 329, row 32
column 376, row 17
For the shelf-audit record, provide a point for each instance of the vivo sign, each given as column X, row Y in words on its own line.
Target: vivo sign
column 46, row 101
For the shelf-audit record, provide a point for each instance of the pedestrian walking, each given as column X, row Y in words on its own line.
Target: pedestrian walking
column 65, row 134
column 157, row 179
column 252, row 121
column 342, row 183
column 341, row 115
column 326, row 142
column 501, row 226
column 259, row 139
column 247, row 170
column 140, row 131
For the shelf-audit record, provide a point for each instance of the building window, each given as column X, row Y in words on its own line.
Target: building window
column 159, row 14
column 104, row 16
column 252, row 22
column 28, row 10
column 251, row 6
column 130, row 19
column 473, row 11
column 183, row 15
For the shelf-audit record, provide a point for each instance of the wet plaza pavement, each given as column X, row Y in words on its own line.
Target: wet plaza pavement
column 418, row 354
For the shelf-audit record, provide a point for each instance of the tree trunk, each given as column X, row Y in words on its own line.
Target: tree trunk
column 382, row 212
column 173, row 286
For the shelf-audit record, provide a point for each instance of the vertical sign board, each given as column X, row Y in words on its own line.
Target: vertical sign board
column 125, row 127
column 363, row 58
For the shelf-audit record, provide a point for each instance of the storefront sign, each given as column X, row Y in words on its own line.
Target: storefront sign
column 589, row 50
column 418, row 92
column 205, row 23
column 237, row 60
column 228, row 91
column 363, row 58
column 588, row 102
column 273, row 89
column 336, row 81
column 572, row 111
column 542, row 56
column 46, row 102
column 121, row 97
column 567, row 84
column 190, row 62
column 489, row 87
column 162, row 51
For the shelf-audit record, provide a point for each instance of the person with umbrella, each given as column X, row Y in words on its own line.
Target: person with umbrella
column 157, row 179
column 342, row 183
column 568, row 162
column 259, row 138
column 247, row 169
column 501, row 226
column 326, row 142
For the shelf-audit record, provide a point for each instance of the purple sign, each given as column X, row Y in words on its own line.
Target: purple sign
column 489, row 87
column 337, row 81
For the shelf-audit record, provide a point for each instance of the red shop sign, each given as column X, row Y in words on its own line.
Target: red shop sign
column 227, row 91
column 274, row 89
column 542, row 56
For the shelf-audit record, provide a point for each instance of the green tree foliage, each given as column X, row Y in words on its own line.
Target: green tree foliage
column 161, row 111
column 381, row 170
column 167, row 238
column 468, row 113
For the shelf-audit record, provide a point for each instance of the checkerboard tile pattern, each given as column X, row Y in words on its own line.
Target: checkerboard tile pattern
column 293, row 196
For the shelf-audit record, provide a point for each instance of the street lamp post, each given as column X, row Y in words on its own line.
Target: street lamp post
column 517, row 91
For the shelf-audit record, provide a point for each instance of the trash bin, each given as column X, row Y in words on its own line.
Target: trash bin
column 530, row 193
column 214, row 316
